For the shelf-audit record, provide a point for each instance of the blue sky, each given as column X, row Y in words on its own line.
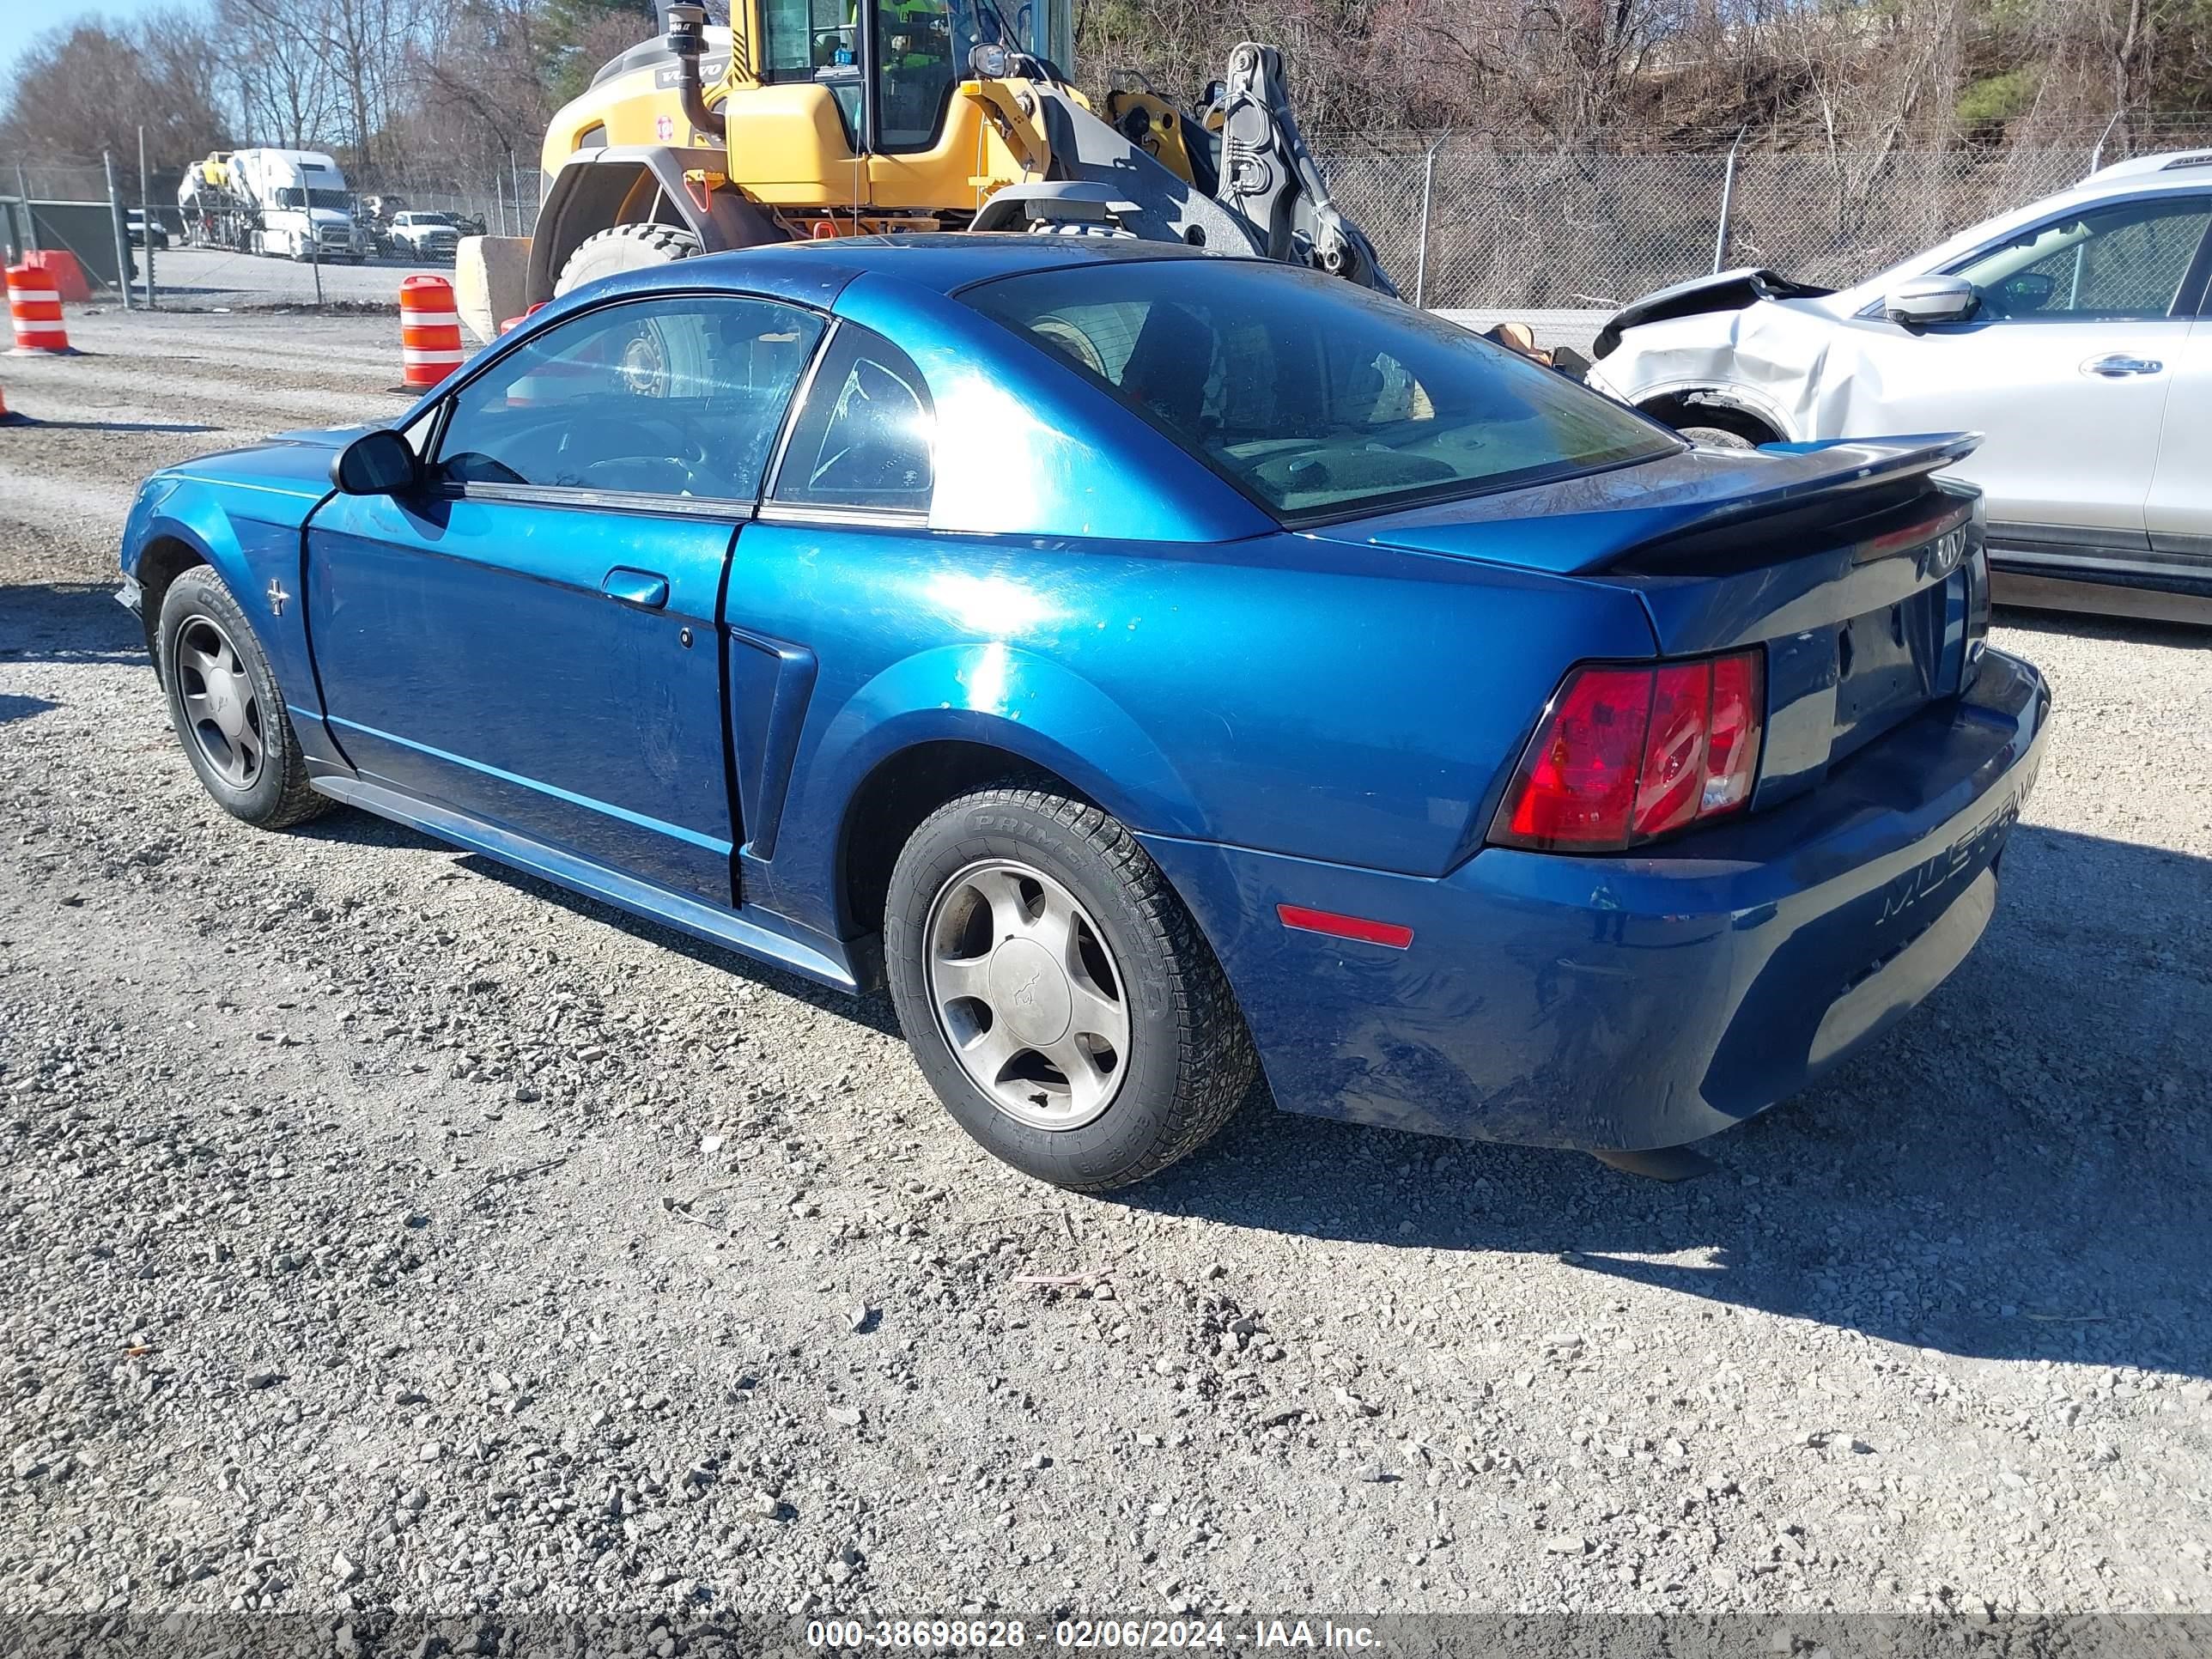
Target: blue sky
column 23, row 22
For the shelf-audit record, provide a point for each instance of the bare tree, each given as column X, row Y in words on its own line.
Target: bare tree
column 276, row 72
column 342, row 58
column 83, row 89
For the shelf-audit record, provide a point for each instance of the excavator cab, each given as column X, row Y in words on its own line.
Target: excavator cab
column 911, row 54
column 798, row 118
column 915, row 52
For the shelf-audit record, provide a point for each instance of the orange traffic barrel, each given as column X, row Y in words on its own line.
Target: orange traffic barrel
column 7, row 417
column 429, row 331
column 34, row 307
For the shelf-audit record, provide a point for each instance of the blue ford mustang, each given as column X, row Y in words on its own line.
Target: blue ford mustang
column 1152, row 665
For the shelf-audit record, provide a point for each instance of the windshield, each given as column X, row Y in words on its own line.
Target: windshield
column 291, row 196
column 1315, row 397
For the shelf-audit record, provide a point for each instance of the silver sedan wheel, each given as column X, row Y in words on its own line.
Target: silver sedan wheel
column 221, row 704
column 1029, row 996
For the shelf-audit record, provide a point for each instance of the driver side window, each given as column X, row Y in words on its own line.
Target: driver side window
column 2124, row 262
column 678, row 397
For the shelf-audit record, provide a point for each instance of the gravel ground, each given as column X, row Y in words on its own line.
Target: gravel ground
column 386, row 1230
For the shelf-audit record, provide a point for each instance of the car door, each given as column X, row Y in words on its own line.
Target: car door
column 530, row 638
column 2066, row 367
column 2178, row 515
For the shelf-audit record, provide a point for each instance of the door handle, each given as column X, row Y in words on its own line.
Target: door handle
column 2118, row 366
column 636, row 588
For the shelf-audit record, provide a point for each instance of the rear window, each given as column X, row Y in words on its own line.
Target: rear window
column 1315, row 397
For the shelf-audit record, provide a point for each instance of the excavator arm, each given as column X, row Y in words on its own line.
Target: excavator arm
column 1269, row 198
column 1270, row 179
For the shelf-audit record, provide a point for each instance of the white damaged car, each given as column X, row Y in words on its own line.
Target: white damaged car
column 2075, row 333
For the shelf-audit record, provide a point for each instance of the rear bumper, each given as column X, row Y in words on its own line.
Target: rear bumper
column 1634, row 1002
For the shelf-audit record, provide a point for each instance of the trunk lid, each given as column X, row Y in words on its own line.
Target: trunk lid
column 1856, row 572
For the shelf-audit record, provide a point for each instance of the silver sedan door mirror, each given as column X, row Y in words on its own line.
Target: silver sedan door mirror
column 1919, row 302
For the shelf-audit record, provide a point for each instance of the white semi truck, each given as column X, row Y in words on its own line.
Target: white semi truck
column 294, row 203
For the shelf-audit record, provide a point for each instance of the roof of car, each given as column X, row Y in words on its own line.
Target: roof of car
column 2147, row 170
column 940, row 261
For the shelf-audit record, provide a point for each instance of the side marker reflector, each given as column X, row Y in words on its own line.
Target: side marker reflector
column 1297, row 916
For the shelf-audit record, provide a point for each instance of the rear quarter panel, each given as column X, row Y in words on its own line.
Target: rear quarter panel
column 1282, row 693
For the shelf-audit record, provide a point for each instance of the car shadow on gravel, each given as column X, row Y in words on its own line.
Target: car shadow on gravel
column 2020, row 1171
column 67, row 621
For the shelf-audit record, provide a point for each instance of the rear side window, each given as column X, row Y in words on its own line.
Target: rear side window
column 1314, row 396
column 681, row 397
column 864, row 437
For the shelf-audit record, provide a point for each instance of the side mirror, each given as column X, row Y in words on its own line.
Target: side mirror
column 379, row 463
column 1921, row 302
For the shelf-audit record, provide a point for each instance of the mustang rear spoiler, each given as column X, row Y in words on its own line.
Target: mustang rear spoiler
column 1831, row 483
column 1727, row 291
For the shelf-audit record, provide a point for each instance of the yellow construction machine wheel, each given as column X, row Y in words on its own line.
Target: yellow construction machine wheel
column 624, row 248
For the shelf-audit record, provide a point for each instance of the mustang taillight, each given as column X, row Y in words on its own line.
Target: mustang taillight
column 1630, row 752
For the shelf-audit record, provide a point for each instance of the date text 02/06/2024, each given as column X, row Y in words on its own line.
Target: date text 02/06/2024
column 957, row 1635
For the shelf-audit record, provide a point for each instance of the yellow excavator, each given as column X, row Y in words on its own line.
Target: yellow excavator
column 816, row 118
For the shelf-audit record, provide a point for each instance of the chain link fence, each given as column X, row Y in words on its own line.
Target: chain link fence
column 1470, row 222
column 490, row 200
column 1466, row 223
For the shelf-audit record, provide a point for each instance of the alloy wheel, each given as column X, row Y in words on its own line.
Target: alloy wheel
column 221, row 704
column 1027, row 994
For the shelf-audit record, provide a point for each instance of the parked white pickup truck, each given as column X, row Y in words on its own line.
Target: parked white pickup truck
column 427, row 235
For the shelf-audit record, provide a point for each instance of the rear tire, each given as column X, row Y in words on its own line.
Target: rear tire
column 1715, row 437
column 1073, row 944
column 624, row 248
column 227, row 708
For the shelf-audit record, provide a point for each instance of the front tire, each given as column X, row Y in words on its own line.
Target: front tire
column 624, row 247
column 1057, row 994
column 226, row 709
column 1716, row 437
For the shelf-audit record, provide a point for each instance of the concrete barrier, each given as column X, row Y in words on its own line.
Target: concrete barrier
column 491, row 281
column 1576, row 329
